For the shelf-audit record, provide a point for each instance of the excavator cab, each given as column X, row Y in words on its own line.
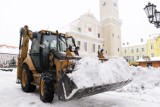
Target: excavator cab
column 42, row 43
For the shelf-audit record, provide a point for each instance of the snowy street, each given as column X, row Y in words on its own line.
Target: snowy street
column 80, row 53
column 11, row 95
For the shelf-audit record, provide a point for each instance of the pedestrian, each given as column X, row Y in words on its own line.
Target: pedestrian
column 76, row 51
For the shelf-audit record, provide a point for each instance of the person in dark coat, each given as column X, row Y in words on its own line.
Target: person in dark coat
column 100, row 54
column 68, row 52
column 76, row 51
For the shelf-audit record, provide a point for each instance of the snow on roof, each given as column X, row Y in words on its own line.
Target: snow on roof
column 149, row 59
column 142, row 41
column 135, row 43
column 89, row 15
column 8, row 49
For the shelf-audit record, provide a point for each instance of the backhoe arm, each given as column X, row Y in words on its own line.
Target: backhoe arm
column 25, row 36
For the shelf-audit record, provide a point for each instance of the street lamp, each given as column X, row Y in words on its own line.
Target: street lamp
column 152, row 14
column 157, row 19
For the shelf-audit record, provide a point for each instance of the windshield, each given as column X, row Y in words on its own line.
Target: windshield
column 49, row 42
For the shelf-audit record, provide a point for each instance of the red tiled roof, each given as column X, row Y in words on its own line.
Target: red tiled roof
column 3, row 45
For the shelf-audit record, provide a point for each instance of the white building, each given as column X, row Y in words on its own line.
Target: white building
column 91, row 34
column 7, row 53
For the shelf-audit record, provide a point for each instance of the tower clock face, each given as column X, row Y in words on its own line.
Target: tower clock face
column 103, row 3
column 115, row 3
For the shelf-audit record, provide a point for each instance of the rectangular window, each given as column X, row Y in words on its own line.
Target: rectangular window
column 142, row 56
column 89, row 29
column 112, row 34
column 79, row 29
column 125, row 51
column 93, row 47
column 152, row 47
column 98, row 35
column 79, row 43
column 137, row 50
column 99, row 47
column 142, row 49
column 132, row 50
column 152, row 54
column 132, row 58
column 85, row 46
column 137, row 57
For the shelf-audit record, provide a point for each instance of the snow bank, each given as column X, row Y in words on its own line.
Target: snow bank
column 144, row 79
column 11, row 95
column 90, row 71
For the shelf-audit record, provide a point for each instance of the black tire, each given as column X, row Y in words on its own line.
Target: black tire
column 47, row 87
column 26, row 80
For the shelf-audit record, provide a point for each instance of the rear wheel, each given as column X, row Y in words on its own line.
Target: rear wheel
column 26, row 80
column 47, row 87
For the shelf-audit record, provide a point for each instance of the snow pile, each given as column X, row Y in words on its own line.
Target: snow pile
column 144, row 79
column 90, row 71
column 11, row 95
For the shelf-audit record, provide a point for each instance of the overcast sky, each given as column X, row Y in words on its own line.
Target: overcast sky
column 55, row 14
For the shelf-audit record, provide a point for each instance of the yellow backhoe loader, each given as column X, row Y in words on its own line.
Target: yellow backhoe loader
column 47, row 63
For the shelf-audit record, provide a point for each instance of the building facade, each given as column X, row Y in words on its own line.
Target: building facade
column 92, row 35
column 153, row 47
column 133, row 53
column 7, row 53
column 150, row 48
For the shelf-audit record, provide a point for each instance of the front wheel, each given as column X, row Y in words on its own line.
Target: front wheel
column 47, row 87
column 26, row 80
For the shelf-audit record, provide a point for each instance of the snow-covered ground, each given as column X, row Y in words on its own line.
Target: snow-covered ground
column 143, row 91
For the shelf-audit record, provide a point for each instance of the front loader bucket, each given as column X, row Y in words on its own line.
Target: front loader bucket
column 68, row 89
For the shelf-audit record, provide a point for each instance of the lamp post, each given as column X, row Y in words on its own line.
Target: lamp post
column 152, row 14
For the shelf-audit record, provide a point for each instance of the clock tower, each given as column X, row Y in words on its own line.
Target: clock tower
column 111, row 25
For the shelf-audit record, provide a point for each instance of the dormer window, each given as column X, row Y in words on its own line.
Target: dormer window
column 104, row 3
column 98, row 35
column 115, row 4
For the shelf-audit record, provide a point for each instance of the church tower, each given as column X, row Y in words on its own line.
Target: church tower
column 111, row 24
